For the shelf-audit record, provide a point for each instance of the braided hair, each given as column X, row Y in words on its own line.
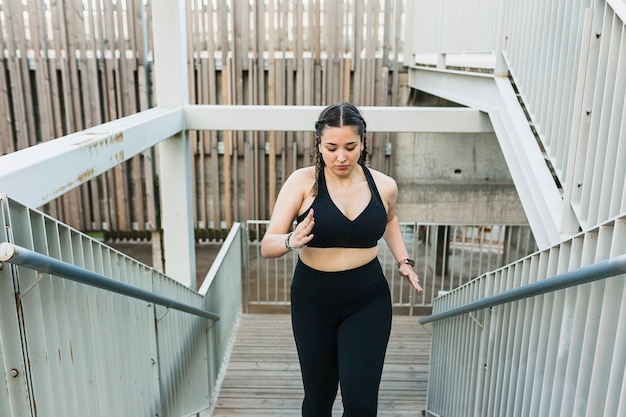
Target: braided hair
column 338, row 115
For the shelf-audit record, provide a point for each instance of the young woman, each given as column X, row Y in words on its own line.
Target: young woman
column 340, row 300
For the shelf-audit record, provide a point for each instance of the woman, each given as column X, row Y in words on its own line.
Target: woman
column 340, row 300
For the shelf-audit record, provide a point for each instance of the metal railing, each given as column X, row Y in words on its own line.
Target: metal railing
column 75, row 349
column 601, row 270
column 543, row 336
column 21, row 256
column 450, row 27
column 447, row 256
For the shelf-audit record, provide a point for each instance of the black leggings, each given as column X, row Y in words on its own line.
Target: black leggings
column 341, row 324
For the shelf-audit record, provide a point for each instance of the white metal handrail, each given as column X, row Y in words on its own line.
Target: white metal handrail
column 30, row 259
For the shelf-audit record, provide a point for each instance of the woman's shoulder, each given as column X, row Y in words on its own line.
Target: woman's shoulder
column 381, row 179
column 302, row 177
column 302, row 173
column 387, row 187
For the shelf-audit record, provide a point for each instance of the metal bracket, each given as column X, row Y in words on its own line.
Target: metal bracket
column 167, row 310
column 471, row 314
column 33, row 285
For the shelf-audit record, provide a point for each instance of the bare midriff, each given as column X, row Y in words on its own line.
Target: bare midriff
column 337, row 259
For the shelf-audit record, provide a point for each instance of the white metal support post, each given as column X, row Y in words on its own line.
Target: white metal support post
column 171, row 89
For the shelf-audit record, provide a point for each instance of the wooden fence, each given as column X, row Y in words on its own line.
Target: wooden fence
column 69, row 65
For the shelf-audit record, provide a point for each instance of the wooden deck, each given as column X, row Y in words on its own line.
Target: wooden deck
column 263, row 376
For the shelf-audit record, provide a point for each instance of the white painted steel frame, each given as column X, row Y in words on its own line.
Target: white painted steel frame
column 568, row 60
column 302, row 118
column 71, row 349
column 535, row 186
column 80, row 157
column 175, row 163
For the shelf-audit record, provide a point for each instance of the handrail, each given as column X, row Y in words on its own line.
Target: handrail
column 27, row 258
column 595, row 272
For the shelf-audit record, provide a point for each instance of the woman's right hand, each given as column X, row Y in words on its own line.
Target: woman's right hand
column 302, row 235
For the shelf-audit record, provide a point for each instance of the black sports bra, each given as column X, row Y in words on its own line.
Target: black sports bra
column 333, row 229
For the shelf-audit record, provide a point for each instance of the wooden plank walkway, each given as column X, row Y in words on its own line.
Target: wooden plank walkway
column 263, row 376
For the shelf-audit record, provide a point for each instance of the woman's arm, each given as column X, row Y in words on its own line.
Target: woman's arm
column 393, row 234
column 393, row 237
column 286, row 209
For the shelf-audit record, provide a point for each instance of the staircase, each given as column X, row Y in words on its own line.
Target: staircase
column 263, row 375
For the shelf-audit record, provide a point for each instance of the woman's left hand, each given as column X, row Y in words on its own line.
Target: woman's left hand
column 408, row 272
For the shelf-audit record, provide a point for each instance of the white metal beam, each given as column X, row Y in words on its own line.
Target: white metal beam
column 37, row 175
column 172, row 90
column 81, row 156
column 302, row 118
column 533, row 180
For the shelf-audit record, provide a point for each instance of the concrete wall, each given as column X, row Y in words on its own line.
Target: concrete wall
column 453, row 178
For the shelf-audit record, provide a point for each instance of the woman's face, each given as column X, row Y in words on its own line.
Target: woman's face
column 341, row 148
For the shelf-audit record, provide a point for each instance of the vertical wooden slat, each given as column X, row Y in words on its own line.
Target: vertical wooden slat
column 72, row 19
column 238, row 15
column 226, row 98
column 82, row 106
column 261, row 99
column 193, row 49
column 292, row 157
column 109, row 42
column 6, row 134
column 359, row 12
column 66, row 58
column 239, row 54
column 22, row 106
column 309, row 80
column 149, row 215
column 135, row 31
column 201, row 216
column 398, row 13
column 250, row 161
column 93, row 106
column 215, row 189
column 41, row 76
column 215, row 174
column 347, row 78
column 271, row 100
column 137, row 179
column 387, row 32
column 115, row 183
column 123, row 69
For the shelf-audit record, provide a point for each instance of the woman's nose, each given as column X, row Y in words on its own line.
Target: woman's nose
column 341, row 157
